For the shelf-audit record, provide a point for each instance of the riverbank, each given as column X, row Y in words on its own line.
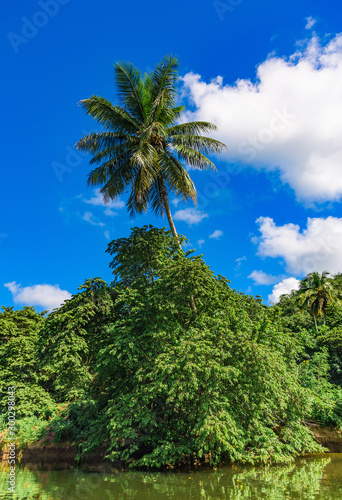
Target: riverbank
column 62, row 456
column 329, row 437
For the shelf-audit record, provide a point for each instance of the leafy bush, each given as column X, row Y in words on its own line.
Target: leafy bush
column 199, row 387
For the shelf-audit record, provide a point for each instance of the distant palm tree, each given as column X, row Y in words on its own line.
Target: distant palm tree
column 142, row 147
column 316, row 292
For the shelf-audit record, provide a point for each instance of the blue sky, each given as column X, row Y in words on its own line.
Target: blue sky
column 267, row 73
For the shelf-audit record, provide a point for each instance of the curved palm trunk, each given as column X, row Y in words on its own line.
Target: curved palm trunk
column 173, row 230
column 168, row 213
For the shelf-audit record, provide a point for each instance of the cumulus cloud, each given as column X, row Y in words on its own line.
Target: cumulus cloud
column 106, row 234
column 315, row 248
column 216, row 234
column 190, row 215
column 89, row 217
column 284, row 287
column 97, row 200
column 289, row 119
column 46, row 296
column 261, row 278
column 200, row 242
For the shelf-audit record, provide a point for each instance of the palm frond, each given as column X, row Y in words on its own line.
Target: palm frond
column 164, row 79
column 193, row 158
column 145, row 157
column 147, row 96
column 178, row 110
column 199, row 143
column 116, row 185
column 192, row 128
column 114, row 153
column 156, row 199
column 112, row 117
column 176, row 177
column 139, row 198
column 118, row 170
column 98, row 141
column 130, row 88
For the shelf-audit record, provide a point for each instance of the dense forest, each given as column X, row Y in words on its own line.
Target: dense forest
column 169, row 365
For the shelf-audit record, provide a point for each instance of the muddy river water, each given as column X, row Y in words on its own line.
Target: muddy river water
column 311, row 477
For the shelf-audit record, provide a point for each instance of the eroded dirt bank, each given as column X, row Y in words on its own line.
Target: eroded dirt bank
column 62, row 456
column 329, row 437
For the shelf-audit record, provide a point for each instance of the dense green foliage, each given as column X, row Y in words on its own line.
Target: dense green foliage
column 132, row 367
column 18, row 366
column 70, row 339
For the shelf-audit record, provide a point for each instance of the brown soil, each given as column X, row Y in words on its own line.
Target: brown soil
column 62, row 456
column 329, row 437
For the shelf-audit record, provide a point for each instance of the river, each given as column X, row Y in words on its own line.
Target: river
column 311, row 477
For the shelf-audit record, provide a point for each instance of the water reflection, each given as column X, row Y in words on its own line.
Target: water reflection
column 307, row 478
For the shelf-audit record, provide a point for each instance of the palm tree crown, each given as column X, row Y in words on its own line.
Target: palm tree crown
column 316, row 292
column 143, row 146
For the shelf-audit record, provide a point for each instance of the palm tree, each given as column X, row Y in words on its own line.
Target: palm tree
column 143, row 146
column 316, row 292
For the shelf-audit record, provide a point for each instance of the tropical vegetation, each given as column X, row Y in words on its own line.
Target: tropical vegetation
column 129, row 367
column 316, row 293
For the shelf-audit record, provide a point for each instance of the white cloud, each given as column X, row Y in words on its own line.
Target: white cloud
column 46, row 296
column 284, row 287
column 98, row 200
column 315, row 248
column 216, row 234
column 175, row 202
column 106, row 234
column 239, row 262
column 200, row 242
column 288, row 120
column 110, row 212
column 89, row 217
column 261, row 278
column 190, row 215
column 310, row 22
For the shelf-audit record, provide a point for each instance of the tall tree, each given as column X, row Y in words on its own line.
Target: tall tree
column 316, row 292
column 171, row 389
column 143, row 147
